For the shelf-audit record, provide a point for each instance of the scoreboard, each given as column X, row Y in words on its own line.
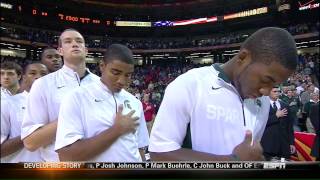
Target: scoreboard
column 70, row 18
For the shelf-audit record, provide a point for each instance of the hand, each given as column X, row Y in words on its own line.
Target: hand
column 125, row 123
column 247, row 152
column 281, row 113
column 148, row 108
column 292, row 149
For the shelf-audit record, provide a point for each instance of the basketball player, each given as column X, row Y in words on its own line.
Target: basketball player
column 40, row 121
column 51, row 58
column 10, row 77
column 12, row 111
column 221, row 111
column 102, row 122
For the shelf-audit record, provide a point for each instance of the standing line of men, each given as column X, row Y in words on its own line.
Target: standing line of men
column 217, row 112
column 102, row 122
column 13, row 104
column 12, row 112
column 40, row 121
column 39, row 118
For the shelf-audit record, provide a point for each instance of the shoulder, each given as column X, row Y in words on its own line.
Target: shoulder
column 85, row 89
column 283, row 103
column 263, row 102
column 46, row 80
column 193, row 77
column 131, row 97
column 94, row 77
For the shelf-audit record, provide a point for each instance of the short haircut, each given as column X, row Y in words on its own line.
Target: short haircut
column 118, row 52
column 47, row 48
column 272, row 44
column 27, row 66
column 11, row 65
column 69, row 29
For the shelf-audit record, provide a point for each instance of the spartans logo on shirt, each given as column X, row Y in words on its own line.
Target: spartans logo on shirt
column 127, row 104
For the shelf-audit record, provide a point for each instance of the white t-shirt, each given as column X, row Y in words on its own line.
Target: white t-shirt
column 44, row 102
column 90, row 110
column 12, row 112
column 205, row 98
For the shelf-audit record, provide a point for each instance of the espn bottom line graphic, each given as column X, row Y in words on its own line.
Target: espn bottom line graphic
column 156, row 165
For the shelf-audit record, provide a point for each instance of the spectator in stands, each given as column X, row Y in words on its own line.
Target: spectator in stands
column 149, row 111
column 201, row 108
column 93, row 129
column 10, row 77
column 51, row 58
column 314, row 100
column 222, row 38
column 301, row 88
column 278, row 138
column 40, row 121
column 284, row 93
column 294, row 107
column 12, row 111
column 305, row 98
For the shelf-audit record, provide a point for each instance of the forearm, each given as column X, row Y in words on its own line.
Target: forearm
column 188, row 155
column 11, row 146
column 41, row 137
column 142, row 154
column 86, row 149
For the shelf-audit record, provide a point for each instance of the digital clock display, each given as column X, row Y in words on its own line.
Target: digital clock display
column 71, row 18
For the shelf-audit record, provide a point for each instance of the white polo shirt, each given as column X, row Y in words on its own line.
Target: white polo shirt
column 5, row 93
column 44, row 102
column 12, row 111
column 90, row 110
column 205, row 98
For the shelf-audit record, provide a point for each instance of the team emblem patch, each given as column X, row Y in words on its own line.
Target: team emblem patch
column 127, row 104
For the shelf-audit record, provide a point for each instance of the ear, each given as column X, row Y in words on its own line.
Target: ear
column 102, row 66
column 244, row 57
column 19, row 77
column 60, row 51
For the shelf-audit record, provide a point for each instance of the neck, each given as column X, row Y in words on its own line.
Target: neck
column 228, row 68
column 14, row 90
column 78, row 68
column 24, row 87
column 106, row 84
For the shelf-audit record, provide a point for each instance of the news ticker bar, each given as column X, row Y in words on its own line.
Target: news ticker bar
column 164, row 165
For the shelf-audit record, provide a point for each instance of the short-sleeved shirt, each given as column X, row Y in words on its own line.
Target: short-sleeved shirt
column 90, row 110
column 205, row 100
column 44, row 101
column 5, row 93
column 12, row 112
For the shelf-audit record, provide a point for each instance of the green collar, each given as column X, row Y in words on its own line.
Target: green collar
column 221, row 74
